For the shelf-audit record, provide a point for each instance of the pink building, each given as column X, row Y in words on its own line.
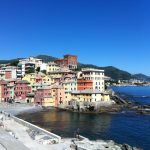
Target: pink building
column 22, row 88
column 54, row 95
column 10, row 88
column 7, row 90
column 3, row 91
column 41, row 93
column 58, row 93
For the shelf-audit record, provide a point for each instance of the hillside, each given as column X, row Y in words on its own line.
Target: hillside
column 141, row 77
column 46, row 58
column 13, row 62
column 9, row 61
column 110, row 71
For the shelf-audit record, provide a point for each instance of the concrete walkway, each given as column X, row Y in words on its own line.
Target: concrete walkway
column 7, row 142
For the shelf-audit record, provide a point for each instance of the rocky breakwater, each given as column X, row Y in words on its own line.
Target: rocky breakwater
column 86, row 144
column 134, row 106
column 142, row 109
column 117, row 105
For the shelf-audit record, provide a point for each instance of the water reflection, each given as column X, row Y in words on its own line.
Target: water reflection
column 122, row 128
column 65, row 123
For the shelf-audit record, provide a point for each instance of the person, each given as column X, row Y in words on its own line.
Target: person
column 78, row 131
column 75, row 134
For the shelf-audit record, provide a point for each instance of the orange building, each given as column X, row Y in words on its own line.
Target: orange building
column 83, row 84
column 68, row 61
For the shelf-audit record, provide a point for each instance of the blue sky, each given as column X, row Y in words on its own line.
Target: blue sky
column 100, row 32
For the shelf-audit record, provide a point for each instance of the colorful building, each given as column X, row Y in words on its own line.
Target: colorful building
column 25, row 65
column 8, row 72
column 22, row 88
column 3, row 91
column 58, row 93
column 52, row 67
column 89, row 95
column 83, row 84
column 35, row 86
column 69, row 61
column 39, row 77
column 69, row 86
column 43, row 97
column 7, row 90
column 11, row 88
column 96, row 76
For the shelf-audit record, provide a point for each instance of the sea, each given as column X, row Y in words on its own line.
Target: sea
column 123, row 127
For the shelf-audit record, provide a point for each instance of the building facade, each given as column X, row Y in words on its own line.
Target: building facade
column 96, row 76
column 43, row 96
column 27, row 65
column 22, row 88
column 52, row 67
column 83, row 84
column 69, row 61
column 8, row 72
column 58, row 93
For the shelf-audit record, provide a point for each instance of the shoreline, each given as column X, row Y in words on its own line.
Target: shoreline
column 65, row 142
column 18, row 108
column 20, row 131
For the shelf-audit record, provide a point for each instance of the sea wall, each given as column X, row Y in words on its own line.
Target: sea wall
column 32, row 126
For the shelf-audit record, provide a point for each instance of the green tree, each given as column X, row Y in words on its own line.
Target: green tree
column 31, row 70
column 38, row 69
column 14, row 63
column 43, row 71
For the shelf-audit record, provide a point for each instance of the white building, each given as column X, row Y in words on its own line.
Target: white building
column 43, row 66
column 9, row 72
column 25, row 65
column 96, row 75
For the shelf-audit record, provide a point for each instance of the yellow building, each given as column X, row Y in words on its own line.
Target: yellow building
column 89, row 95
column 52, row 67
column 38, row 78
column 105, row 97
column 48, row 80
column 30, row 98
column 48, row 101
column 30, row 78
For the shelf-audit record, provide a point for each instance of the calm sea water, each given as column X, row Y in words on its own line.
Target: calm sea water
column 124, row 127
